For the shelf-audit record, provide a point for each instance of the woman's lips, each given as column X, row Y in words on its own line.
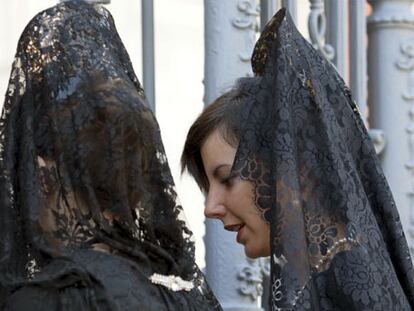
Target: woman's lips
column 236, row 228
column 240, row 234
column 233, row 228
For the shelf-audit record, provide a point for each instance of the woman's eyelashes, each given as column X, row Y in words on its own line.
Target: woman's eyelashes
column 228, row 179
column 224, row 175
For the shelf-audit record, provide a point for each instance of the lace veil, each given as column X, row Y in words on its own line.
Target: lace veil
column 82, row 165
column 336, row 237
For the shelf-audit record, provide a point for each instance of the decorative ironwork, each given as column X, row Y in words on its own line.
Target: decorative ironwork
column 383, row 18
column 264, row 263
column 317, row 29
column 378, row 139
column 406, row 62
column 248, row 21
column 251, row 276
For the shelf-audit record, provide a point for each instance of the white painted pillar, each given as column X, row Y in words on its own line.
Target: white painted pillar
column 148, row 51
column 336, row 33
column 317, row 29
column 230, row 34
column 358, row 53
column 292, row 7
column 268, row 8
column 391, row 98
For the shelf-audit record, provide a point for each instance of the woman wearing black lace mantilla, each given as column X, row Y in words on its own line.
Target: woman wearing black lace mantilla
column 89, row 218
column 285, row 160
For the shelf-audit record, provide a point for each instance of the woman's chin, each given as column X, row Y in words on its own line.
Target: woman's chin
column 254, row 253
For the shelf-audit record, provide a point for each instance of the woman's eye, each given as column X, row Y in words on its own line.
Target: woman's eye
column 228, row 180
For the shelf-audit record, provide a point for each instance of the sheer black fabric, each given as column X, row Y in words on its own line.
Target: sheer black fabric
column 88, row 209
column 336, row 237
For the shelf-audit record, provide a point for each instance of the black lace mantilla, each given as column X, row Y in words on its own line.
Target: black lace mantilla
column 88, row 207
column 336, row 237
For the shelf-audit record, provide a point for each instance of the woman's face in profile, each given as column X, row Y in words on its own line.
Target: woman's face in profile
column 231, row 199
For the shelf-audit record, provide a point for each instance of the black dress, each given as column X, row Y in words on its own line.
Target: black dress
column 89, row 218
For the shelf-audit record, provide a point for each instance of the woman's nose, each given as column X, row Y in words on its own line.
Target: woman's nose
column 214, row 207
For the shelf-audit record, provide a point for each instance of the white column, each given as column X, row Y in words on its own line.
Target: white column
column 292, row 7
column 148, row 51
column 358, row 51
column 230, row 34
column 268, row 8
column 336, row 33
column 317, row 29
column 391, row 98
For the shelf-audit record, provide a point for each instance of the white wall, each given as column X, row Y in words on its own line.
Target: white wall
column 179, row 57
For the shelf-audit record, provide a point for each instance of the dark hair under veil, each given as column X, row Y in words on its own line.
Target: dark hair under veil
column 336, row 238
column 88, row 209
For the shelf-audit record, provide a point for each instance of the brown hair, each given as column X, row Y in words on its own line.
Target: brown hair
column 223, row 114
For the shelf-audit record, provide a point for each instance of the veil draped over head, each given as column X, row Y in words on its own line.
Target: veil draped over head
column 336, row 237
column 88, row 209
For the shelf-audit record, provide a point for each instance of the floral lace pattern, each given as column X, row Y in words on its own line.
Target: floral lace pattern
column 85, row 186
column 337, row 241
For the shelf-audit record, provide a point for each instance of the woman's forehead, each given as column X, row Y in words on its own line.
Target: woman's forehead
column 215, row 151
